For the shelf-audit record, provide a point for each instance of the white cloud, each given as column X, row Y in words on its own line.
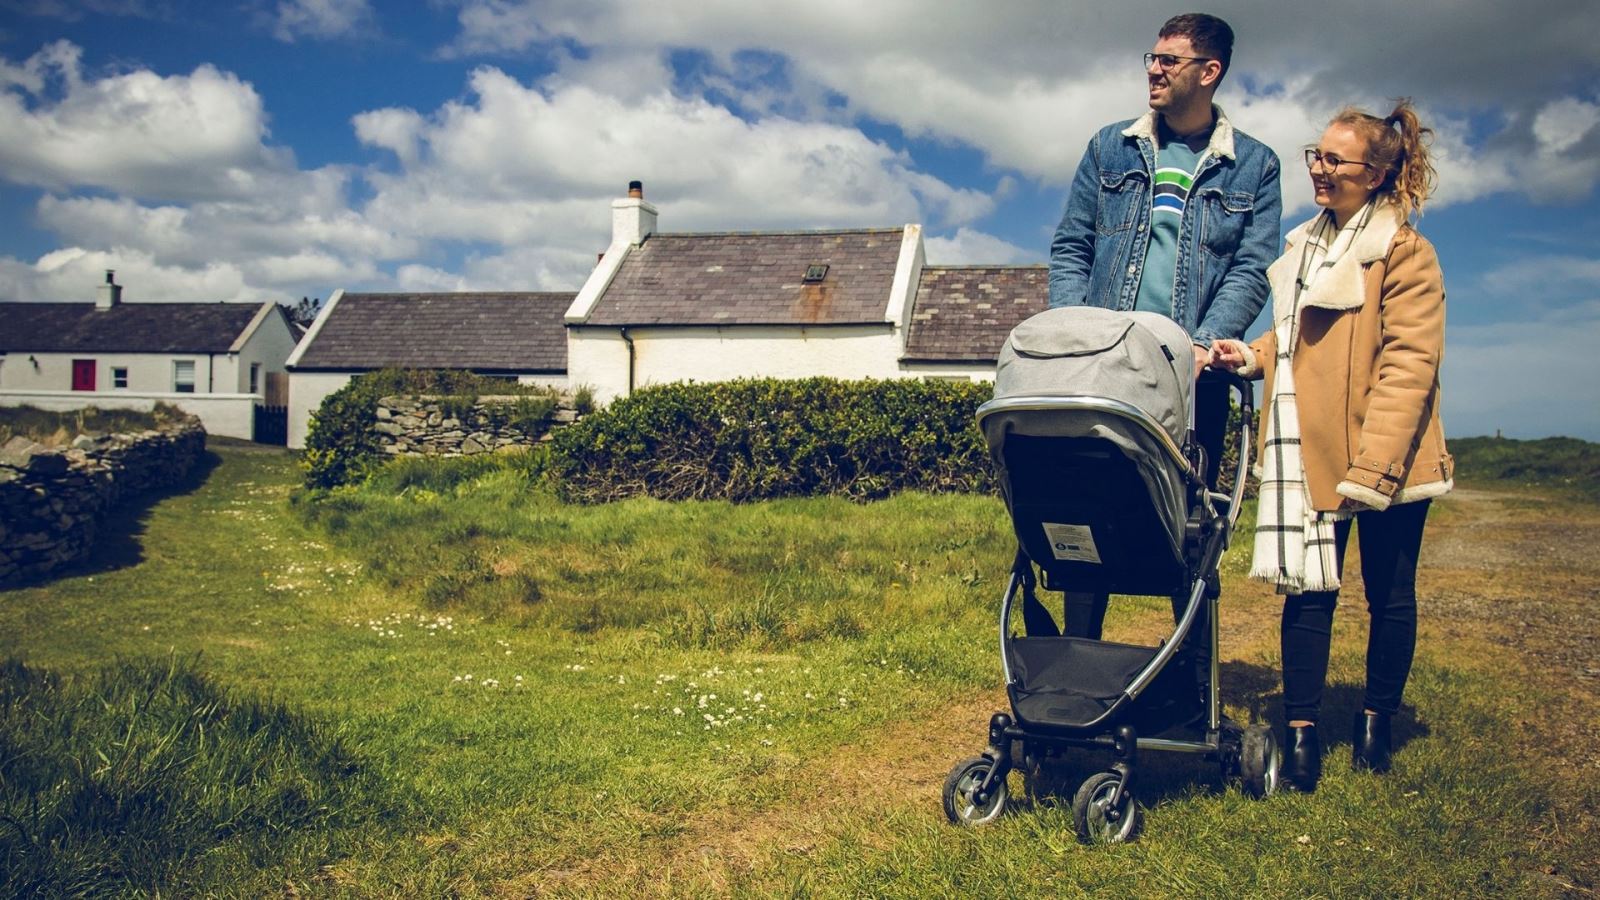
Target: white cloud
column 321, row 19
column 73, row 273
column 517, row 163
column 1524, row 378
column 179, row 137
column 1027, row 82
column 1545, row 276
column 969, row 247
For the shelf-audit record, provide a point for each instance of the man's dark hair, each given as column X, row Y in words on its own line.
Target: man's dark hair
column 1210, row 36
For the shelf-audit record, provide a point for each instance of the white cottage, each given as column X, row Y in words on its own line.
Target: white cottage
column 217, row 361
column 516, row 335
column 849, row 303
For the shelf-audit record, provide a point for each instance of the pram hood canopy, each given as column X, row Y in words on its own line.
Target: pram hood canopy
column 1139, row 358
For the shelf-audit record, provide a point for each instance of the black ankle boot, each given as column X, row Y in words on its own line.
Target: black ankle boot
column 1302, row 758
column 1370, row 743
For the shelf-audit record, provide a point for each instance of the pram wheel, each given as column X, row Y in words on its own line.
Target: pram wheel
column 1259, row 761
column 960, row 802
column 1097, row 821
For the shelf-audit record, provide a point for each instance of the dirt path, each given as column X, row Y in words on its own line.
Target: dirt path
column 1510, row 583
column 1517, row 576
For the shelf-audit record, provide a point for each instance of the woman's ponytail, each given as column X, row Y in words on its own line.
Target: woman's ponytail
column 1398, row 145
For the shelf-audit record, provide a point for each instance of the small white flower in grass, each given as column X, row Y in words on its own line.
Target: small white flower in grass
column 677, row 711
column 519, row 677
column 1303, row 839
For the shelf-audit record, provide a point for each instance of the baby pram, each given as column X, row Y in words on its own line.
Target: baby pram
column 1090, row 434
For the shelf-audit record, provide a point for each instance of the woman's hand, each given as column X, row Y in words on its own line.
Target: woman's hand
column 1227, row 354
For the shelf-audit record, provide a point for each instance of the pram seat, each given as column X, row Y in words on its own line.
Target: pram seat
column 1083, row 517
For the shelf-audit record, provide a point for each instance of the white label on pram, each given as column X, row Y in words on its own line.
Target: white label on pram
column 1074, row 542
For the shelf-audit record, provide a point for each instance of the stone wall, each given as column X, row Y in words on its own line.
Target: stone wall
column 433, row 426
column 52, row 499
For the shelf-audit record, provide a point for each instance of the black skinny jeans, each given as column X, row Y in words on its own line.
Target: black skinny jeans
column 1390, row 543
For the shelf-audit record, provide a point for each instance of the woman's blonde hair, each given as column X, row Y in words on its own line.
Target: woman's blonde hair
column 1397, row 145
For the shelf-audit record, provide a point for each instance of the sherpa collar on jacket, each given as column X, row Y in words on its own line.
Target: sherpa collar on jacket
column 1340, row 287
column 1220, row 145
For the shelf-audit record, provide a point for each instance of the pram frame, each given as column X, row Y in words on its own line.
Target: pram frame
column 1214, row 534
column 1138, row 417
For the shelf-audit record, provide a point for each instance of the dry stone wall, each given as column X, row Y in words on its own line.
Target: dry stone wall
column 52, row 499
column 433, row 426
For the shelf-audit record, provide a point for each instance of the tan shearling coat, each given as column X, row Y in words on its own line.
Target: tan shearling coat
column 1366, row 366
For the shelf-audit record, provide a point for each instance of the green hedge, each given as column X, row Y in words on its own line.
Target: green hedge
column 758, row 439
column 1560, row 462
column 342, row 448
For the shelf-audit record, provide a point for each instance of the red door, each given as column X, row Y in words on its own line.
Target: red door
column 83, row 374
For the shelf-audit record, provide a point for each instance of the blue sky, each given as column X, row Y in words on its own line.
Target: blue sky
column 282, row 148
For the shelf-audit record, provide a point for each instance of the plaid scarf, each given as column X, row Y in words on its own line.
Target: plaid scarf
column 1295, row 547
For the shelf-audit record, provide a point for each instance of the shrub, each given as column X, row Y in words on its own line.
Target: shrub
column 56, row 428
column 757, row 439
column 343, row 448
column 1552, row 462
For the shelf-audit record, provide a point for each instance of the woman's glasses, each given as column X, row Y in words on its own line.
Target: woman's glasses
column 1329, row 162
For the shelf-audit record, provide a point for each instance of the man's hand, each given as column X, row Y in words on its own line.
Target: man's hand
column 1202, row 355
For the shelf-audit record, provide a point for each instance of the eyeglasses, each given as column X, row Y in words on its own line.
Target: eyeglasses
column 1330, row 162
column 1169, row 62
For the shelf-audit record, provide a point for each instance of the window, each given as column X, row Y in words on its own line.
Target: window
column 183, row 376
column 815, row 273
column 255, row 378
column 83, row 374
column 119, row 377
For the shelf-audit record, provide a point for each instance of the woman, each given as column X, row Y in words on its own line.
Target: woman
column 1352, row 419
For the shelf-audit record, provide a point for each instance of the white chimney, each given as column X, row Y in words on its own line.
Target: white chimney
column 110, row 292
column 632, row 219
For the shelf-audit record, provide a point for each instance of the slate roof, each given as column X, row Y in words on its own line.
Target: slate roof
column 488, row 332
column 753, row 278
column 963, row 313
column 124, row 328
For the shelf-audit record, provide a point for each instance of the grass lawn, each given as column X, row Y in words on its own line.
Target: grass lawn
column 447, row 684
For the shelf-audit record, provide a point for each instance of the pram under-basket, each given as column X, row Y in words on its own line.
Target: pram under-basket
column 1063, row 685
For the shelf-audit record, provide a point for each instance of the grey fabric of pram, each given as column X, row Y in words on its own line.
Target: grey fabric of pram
column 1140, row 359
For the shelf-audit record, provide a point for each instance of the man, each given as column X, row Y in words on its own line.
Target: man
column 1177, row 213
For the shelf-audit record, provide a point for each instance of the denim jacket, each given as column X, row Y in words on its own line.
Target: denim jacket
column 1228, row 237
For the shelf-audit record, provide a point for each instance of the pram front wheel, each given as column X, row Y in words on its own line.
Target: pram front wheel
column 1099, row 821
column 1259, row 761
column 961, row 800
